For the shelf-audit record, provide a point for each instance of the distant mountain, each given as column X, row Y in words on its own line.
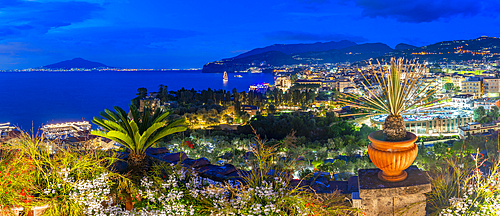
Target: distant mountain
column 75, row 63
column 403, row 46
column 349, row 54
column 300, row 48
column 242, row 64
column 482, row 48
column 356, row 52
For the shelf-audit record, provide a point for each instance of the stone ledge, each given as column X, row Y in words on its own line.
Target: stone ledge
column 393, row 198
column 371, row 186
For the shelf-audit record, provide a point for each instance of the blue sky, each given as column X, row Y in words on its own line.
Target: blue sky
column 188, row 34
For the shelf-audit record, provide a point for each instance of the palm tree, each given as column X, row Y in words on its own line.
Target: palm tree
column 137, row 133
column 403, row 87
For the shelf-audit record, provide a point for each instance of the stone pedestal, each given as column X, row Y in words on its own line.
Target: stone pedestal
column 379, row 198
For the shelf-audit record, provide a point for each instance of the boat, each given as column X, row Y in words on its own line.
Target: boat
column 225, row 76
column 239, row 76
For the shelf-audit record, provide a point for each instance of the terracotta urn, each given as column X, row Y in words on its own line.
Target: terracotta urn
column 392, row 157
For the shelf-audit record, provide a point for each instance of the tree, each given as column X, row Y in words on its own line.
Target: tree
column 449, row 87
column 494, row 113
column 271, row 109
column 337, row 166
column 479, row 113
column 440, row 149
column 142, row 92
column 163, row 93
column 137, row 133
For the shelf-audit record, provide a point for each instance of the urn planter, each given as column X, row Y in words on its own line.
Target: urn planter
column 392, row 157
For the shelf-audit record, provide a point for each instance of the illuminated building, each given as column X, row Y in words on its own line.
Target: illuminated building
column 491, row 86
column 473, row 86
column 462, row 101
column 474, row 128
column 283, row 82
column 261, row 87
column 65, row 129
column 437, row 121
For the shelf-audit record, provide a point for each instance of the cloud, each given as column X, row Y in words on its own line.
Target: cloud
column 24, row 18
column 8, row 3
column 13, row 48
column 306, row 36
column 418, row 11
column 152, row 37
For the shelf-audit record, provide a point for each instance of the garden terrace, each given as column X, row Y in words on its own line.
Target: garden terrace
column 228, row 172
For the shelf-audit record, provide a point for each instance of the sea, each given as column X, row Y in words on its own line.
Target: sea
column 29, row 100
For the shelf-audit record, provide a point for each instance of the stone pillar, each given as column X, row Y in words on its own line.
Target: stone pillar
column 379, row 198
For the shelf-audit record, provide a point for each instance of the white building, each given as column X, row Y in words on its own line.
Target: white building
column 5, row 128
column 283, row 82
column 462, row 101
column 487, row 103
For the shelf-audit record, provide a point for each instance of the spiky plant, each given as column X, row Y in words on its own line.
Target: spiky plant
column 137, row 133
column 402, row 87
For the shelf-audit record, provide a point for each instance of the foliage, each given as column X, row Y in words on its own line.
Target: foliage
column 313, row 128
column 60, row 177
column 168, row 190
column 138, row 133
column 486, row 116
column 17, row 179
column 402, row 88
column 267, row 190
column 479, row 113
column 337, row 166
column 447, row 180
column 479, row 193
column 449, row 86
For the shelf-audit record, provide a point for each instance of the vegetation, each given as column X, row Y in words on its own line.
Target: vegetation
column 484, row 117
column 138, row 133
column 403, row 88
column 85, row 183
column 212, row 107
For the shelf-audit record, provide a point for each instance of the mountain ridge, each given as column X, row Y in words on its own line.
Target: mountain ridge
column 356, row 52
column 482, row 48
column 75, row 63
column 299, row 48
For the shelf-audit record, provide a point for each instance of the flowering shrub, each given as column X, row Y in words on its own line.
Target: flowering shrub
column 16, row 179
column 479, row 195
column 166, row 190
column 82, row 183
column 234, row 199
column 266, row 190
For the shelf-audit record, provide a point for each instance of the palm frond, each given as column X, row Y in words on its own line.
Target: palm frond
column 138, row 133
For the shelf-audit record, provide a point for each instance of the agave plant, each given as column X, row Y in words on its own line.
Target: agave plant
column 137, row 133
column 402, row 88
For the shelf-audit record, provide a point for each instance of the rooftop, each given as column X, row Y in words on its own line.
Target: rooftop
column 440, row 113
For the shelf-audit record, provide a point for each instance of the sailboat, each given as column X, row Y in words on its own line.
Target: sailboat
column 225, row 76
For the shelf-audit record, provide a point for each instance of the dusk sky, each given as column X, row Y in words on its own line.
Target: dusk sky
column 188, row 34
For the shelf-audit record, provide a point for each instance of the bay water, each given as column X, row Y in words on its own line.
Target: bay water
column 30, row 99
